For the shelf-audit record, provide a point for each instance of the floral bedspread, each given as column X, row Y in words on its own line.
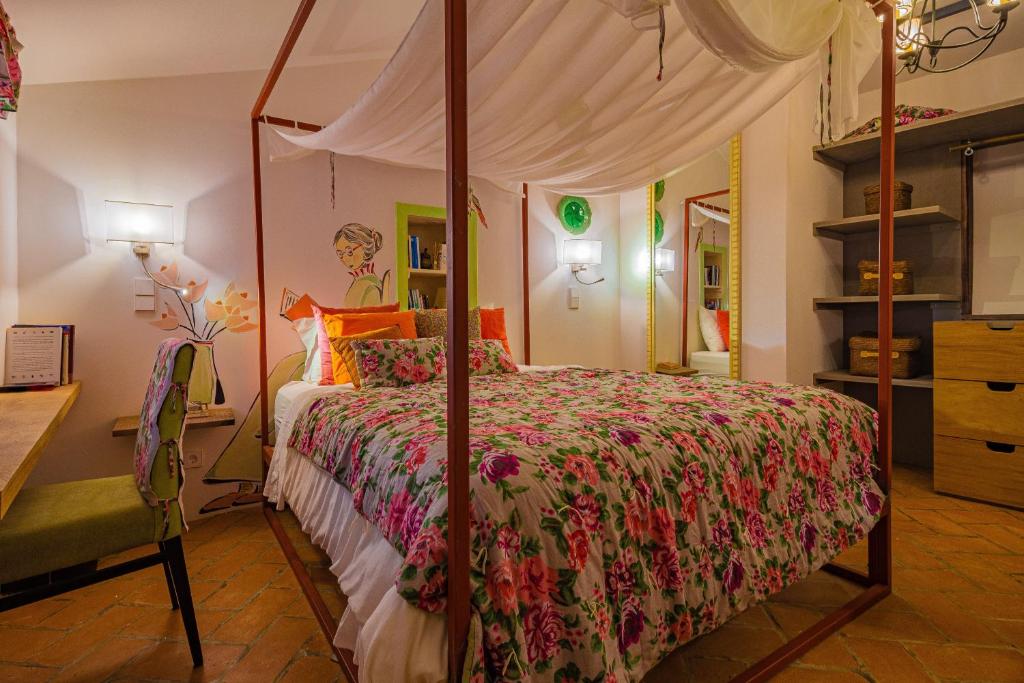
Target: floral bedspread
column 615, row 515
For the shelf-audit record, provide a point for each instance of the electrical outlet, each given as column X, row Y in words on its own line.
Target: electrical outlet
column 193, row 459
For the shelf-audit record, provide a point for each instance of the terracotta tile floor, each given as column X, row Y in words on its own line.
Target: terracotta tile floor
column 957, row 613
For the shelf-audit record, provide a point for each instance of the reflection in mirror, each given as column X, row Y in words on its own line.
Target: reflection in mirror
column 692, row 283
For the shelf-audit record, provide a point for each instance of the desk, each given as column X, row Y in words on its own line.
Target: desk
column 214, row 417
column 28, row 420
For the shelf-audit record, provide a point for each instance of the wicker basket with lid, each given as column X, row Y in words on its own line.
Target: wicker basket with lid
column 902, row 277
column 864, row 356
column 901, row 196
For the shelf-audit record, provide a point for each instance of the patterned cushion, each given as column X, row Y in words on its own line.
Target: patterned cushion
column 489, row 357
column 343, row 347
column 433, row 322
column 399, row 362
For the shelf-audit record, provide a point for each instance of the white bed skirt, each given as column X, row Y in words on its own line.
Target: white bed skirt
column 391, row 639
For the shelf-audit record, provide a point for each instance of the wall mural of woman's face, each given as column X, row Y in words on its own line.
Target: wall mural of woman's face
column 351, row 254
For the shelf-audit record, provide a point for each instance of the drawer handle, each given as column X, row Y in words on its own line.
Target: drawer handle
column 1000, row 447
column 1001, row 386
column 1001, row 326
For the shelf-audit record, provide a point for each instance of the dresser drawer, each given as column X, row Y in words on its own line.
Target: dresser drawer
column 970, row 468
column 980, row 350
column 987, row 411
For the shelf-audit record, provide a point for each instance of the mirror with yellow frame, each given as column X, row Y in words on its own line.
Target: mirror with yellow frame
column 693, row 292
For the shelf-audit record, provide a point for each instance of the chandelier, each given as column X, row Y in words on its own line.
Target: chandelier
column 920, row 43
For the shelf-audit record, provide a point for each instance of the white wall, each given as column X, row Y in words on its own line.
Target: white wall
column 8, row 229
column 590, row 334
column 634, row 264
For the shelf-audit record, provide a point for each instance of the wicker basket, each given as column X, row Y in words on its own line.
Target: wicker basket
column 901, row 193
column 902, row 277
column 864, row 356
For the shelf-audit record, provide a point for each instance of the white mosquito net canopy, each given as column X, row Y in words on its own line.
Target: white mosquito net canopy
column 565, row 94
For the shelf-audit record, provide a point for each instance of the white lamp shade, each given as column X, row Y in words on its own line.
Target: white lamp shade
column 130, row 222
column 582, row 252
column 664, row 260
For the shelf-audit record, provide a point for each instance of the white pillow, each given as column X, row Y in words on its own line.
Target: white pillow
column 709, row 329
column 306, row 329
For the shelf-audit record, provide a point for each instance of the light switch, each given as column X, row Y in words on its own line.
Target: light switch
column 144, row 303
column 143, row 286
column 574, row 298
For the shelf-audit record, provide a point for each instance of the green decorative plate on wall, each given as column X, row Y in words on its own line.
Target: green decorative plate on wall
column 659, row 227
column 574, row 212
column 659, row 190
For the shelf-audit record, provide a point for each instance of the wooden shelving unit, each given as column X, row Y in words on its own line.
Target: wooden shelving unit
column 998, row 119
column 828, row 302
column 908, row 218
column 932, row 234
column 830, row 376
column 428, row 225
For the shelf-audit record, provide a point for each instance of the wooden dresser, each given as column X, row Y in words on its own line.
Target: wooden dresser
column 979, row 410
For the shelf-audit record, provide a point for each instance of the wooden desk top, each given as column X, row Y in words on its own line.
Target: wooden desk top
column 28, row 420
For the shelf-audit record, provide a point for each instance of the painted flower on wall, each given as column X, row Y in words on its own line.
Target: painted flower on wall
column 233, row 311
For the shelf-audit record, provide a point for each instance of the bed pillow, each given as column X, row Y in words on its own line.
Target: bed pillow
column 399, row 362
column 492, row 326
column 307, row 330
column 433, row 322
column 324, row 335
column 346, row 324
column 709, row 329
column 342, row 346
column 303, row 308
column 489, row 357
column 722, row 318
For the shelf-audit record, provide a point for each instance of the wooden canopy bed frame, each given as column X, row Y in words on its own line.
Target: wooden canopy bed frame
column 877, row 582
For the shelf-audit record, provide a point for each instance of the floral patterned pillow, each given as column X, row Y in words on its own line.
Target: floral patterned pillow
column 489, row 357
column 399, row 362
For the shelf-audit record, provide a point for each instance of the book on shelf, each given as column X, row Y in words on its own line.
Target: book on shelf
column 418, row 300
column 414, row 251
column 712, row 276
column 39, row 355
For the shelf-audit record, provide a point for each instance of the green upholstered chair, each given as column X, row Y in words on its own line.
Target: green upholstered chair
column 52, row 528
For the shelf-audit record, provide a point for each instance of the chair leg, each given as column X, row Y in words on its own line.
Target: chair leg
column 167, row 575
column 179, row 575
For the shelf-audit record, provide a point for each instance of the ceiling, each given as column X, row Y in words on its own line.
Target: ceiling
column 95, row 40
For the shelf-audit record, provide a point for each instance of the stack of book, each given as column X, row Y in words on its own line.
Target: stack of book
column 39, row 356
column 414, row 251
column 418, row 300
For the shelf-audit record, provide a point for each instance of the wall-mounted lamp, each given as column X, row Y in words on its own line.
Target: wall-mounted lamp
column 140, row 224
column 582, row 253
column 143, row 225
column 664, row 261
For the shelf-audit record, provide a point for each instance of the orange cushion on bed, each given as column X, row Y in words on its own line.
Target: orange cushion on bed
column 492, row 326
column 723, row 326
column 347, row 324
column 343, row 347
column 323, row 339
column 303, row 308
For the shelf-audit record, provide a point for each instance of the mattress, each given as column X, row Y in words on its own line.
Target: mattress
column 303, row 393
column 710, row 362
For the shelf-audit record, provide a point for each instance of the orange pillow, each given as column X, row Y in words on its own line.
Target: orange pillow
column 343, row 346
column 492, row 326
column 323, row 340
column 303, row 308
column 723, row 326
column 347, row 324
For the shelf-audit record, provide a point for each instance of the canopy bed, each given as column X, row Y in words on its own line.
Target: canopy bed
column 451, row 555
